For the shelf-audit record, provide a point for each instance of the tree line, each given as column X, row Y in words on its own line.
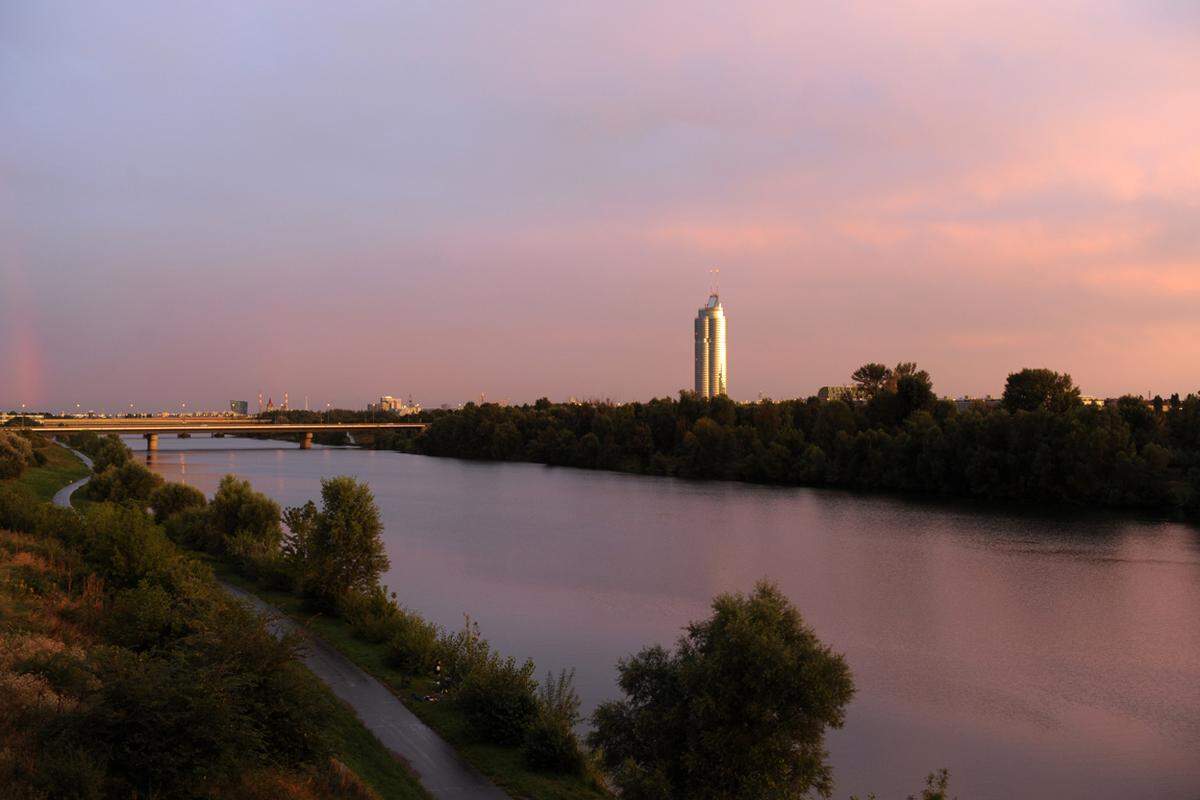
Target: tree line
column 1040, row 445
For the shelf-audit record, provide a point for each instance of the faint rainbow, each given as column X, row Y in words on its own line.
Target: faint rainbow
column 21, row 369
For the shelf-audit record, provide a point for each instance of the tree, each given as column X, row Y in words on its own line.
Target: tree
column 109, row 451
column 239, row 511
column 870, row 378
column 344, row 550
column 130, row 482
column 1033, row 389
column 171, row 498
column 738, row 710
column 914, row 391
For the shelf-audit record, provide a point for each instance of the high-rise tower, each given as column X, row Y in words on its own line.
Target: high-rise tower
column 712, row 368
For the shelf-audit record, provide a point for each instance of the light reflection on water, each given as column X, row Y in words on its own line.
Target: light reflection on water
column 1034, row 656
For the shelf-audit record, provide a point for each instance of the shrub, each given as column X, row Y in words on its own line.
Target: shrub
column 550, row 743
column 64, row 524
column 171, row 498
column 107, row 452
column 69, row 773
column 370, row 613
column 130, row 482
column 125, row 546
column 145, row 617
column 462, row 651
column 194, row 528
column 16, row 453
column 551, row 746
column 272, row 571
column 413, row 647
column 499, row 700
column 239, row 510
column 19, row 509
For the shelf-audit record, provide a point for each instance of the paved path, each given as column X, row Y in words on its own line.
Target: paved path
column 63, row 496
column 441, row 770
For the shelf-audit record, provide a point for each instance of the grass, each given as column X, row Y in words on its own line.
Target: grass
column 30, row 606
column 377, row 766
column 61, row 468
column 503, row 765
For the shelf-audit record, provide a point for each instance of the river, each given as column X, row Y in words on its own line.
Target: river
column 1035, row 656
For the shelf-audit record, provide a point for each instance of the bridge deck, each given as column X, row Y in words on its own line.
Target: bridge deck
column 228, row 427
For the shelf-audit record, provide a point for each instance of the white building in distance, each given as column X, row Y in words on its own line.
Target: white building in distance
column 712, row 366
column 389, row 403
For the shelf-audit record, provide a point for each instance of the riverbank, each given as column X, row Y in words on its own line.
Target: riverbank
column 24, row 569
column 61, row 469
column 580, row 568
column 1127, row 455
column 437, row 764
column 499, row 763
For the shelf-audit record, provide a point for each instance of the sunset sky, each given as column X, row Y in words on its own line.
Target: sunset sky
column 199, row 201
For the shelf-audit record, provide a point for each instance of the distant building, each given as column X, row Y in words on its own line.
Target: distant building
column 847, row 394
column 712, row 366
column 239, row 407
column 964, row 403
column 395, row 404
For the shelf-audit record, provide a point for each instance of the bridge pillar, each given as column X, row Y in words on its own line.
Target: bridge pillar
column 151, row 441
column 306, row 442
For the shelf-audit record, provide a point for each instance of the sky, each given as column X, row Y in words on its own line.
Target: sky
column 201, row 201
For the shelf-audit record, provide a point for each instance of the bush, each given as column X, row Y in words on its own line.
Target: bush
column 271, row 571
column 69, row 773
column 550, row 743
column 194, row 528
column 171, row 498
column 498, row 698
column 462, row 651
column 108, row 452
column 16, row 453
column 143, row 618
column 19, row 509
column 130, row 483
column 125, row 546
column 551, row 746
column 370, row 614
column 239, row 510
column 413, row 647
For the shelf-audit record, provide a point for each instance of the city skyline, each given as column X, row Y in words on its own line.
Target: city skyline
column 198, row 203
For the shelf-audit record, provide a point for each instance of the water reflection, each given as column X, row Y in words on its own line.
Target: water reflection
column 1034, row 656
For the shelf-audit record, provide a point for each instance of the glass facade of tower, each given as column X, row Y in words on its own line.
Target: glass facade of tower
column 712, row 367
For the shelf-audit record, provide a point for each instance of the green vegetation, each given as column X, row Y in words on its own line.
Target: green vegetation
column 16, row 453
column 47, row 468
column 126, row 671
column 338, row 551
column 505, row 765
column 738, row 710
column 1041, row 445
column 487, row 705
column 183, row 692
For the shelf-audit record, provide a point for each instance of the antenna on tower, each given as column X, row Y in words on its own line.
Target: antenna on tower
column 715, row 287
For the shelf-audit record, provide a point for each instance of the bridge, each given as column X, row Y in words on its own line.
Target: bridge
column 152, row 428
